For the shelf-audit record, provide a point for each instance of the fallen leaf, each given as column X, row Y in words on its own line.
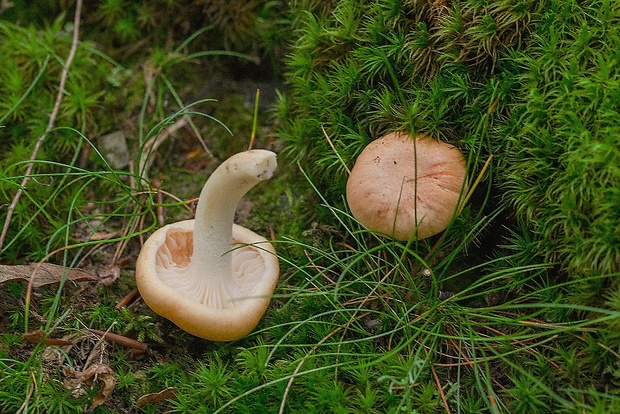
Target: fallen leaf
column 45, row 274
column 100, row 235
column 100, row 372
column 156, row 397
column 109, row 274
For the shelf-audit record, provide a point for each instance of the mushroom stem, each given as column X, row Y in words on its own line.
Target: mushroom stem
column 215, row 215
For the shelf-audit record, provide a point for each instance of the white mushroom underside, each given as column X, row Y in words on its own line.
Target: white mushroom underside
column 172, row 263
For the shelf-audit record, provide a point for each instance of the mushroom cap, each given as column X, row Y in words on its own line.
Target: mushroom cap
column 405, row 189
column 166, row 285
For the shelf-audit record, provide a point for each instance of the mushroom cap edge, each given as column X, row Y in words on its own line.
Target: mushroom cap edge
column 206, row 322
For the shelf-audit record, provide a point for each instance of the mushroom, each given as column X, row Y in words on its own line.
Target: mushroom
column 405, row 188
column 211, row 277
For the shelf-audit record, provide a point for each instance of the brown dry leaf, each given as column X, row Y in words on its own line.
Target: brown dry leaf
column 109, row 274
column 45, row 274
column 100, row 235
column 156, row 397
column 101, row 372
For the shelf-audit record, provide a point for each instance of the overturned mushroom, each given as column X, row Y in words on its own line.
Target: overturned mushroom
column 212, row 278
column 405, row 188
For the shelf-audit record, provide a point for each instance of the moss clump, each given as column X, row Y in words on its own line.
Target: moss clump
column 29, row 76
column 361, row 70
column 561, row 144
column 534, row 83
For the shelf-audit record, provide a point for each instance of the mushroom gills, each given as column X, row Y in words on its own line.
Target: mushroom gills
column 216, row 292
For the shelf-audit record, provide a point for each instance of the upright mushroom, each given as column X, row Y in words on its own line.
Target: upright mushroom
column 405, row 188
column 212, row 278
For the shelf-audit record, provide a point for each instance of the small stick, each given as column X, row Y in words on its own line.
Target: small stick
column 126, row 299
column 439, row 387
column 331, row 144
column 160, row 201
column 120, row 339
column 473, row 187
column 154, row 142
column 289, row 384
column 459, row 210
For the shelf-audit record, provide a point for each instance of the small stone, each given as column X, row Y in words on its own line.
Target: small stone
column 113, row 147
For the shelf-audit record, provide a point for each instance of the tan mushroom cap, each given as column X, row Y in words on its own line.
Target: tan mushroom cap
column 209, row 276
column 169, row 290
column 406, row 190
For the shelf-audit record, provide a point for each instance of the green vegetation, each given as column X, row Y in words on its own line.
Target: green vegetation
column 533, row 83
column 515, row 308
column 564, row 127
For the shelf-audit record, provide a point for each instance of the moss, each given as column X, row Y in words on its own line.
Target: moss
column 28, row 90
column 534, row 83
column 353, row 313
column 361, row 70
column 561, row 145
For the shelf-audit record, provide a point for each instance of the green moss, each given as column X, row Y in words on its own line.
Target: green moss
column 361, row 70
column 27, row 94
column 358, row 323
column 536, row 84
column 562, row 144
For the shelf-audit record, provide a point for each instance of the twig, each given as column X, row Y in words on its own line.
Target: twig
column 331, row 144
column 255, row 121
column 354, row 316
column 459, row 210
column 161, row 219
column 125, row 300
column 50, row 124
column 320, row 270
column 446, row 406
column 31, row 388
column 153, row 143
column 120, row 339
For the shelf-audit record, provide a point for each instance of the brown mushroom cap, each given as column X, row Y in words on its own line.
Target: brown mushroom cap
column 405, row 189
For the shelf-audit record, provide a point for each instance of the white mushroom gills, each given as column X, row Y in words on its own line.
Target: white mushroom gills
column 220, row 285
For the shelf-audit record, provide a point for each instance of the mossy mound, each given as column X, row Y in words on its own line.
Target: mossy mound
column 361, row 70
column 561, row 144
column 533, row 83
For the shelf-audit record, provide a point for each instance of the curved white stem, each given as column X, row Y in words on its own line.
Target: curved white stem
column 216, row 211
